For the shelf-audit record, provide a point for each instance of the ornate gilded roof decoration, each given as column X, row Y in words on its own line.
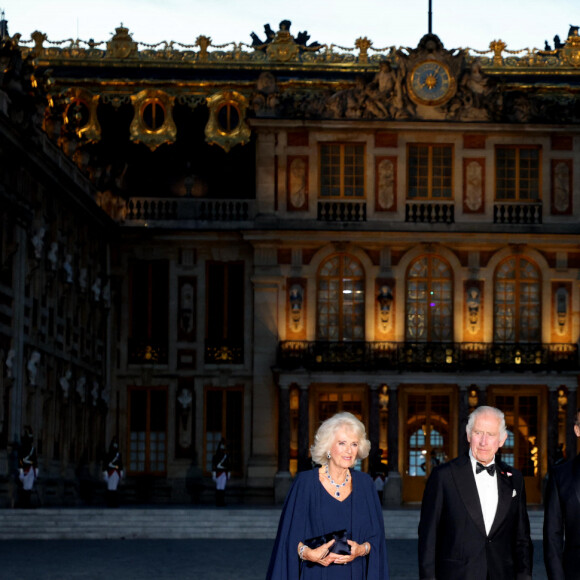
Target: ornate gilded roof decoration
column 279, row 47
column 81, row 114
column 204, row 42
column 227, row 126
column 363, row 44
column 571, row 50
column 282, row 46
column 153, row 122
column 122, row 44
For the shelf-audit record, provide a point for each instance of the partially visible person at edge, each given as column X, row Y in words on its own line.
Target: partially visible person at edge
column 220, row 465
column 474, row 521
column 28, row 468
column 331, row 497
column 562, row 518
column 113, row 472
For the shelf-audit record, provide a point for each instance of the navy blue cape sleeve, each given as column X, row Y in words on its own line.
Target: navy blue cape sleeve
column 284, row 562
column 300, row 519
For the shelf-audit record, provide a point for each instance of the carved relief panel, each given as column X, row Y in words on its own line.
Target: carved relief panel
column 386, row 184
column 296, row 308
column 473, row 310
column 561, row 186
column 297, row 187
column 385, row 308
column 561, row 317
column 473, row 185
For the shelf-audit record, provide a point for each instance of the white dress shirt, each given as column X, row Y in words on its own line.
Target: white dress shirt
column 488, row 494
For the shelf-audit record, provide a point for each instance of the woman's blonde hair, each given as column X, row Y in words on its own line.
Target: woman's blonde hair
column 324, row 437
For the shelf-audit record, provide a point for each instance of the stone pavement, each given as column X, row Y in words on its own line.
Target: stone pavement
column 198, row 559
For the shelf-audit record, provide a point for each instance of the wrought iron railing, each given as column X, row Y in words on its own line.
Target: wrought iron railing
column 427, row 356
column 143, row 351
column 223, row 352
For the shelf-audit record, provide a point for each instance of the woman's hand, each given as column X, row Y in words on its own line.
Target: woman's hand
column 320, row 555
column 356, row 550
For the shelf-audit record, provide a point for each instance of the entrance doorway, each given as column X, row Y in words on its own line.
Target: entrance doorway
column 428, row 435
column 526, row 436
column 147, row 431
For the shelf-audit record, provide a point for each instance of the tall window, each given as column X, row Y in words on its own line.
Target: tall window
column 342, row 170
column 429, row 304
column 341, row 302
column 517, row 312
column 517, row 174
column 224, row 420
column 148, row 309
column 225, row 312
column 430, row 170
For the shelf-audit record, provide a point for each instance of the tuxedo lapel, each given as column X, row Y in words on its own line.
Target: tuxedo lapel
column 505, row 492
column 467, row 489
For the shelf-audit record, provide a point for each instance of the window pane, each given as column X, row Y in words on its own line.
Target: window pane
column 517, row 309
column 342, row 170
column 340, row 300
column 429, row 301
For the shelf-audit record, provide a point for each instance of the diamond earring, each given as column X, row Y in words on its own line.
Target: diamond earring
column 328, row 455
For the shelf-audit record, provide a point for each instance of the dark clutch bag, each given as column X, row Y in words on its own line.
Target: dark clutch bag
column 340, row 546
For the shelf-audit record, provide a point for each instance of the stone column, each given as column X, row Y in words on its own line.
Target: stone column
column 304, row 461
column 374, row 425
column 283, row 479
column 462, row 417
column 552, row 424
column 262, row 465
column 393, row 494
column 17, row 396
column 284, row 428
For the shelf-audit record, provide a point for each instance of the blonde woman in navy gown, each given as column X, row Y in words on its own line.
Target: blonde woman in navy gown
column 331, row 497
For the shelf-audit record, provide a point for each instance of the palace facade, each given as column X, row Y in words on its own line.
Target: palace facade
column 202, row 242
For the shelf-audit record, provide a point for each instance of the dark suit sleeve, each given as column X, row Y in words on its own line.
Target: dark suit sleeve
column 553, row 531
column 431, row 508
column 524, row 556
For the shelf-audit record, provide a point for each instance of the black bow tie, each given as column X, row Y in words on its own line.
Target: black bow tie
column 479, row 467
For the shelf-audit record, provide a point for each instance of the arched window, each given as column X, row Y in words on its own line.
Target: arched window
column 516, row 297
column 429, row 300
column 340, row 299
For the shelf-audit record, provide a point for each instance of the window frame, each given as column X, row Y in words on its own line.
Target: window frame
column 359, row 191
column 517, row 169
column 430, row 173
column 341, row 277
column 430, row 318
column 517, row 319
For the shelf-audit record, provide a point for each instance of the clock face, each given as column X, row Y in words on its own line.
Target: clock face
column 430, row 83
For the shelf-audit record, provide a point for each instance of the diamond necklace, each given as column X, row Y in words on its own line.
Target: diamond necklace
column 337, row 485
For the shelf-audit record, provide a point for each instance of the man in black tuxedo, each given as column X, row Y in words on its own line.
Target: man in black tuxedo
column 474, row 522
column 562, row 519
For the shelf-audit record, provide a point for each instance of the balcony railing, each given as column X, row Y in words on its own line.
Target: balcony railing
column 430, row 212
column 223, row 353
column 517, row 213
column 342, row 211
column 143, row 351
column 427, row 357
column 187, row 208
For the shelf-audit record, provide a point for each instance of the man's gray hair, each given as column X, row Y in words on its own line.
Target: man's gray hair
column 485, row 410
